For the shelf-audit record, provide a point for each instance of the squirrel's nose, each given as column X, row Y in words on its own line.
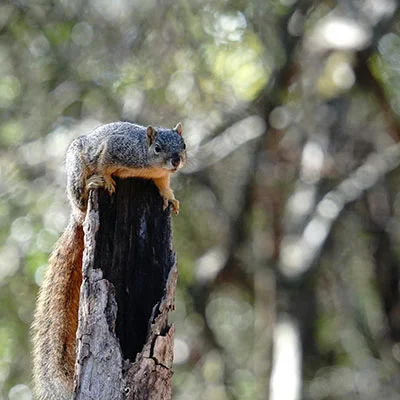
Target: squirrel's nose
column 175, row 161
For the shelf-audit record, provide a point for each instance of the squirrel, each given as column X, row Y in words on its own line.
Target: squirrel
column 119, row 149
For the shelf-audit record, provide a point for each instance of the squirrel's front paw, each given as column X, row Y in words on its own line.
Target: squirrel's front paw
column 106, row 182
column 174, row 203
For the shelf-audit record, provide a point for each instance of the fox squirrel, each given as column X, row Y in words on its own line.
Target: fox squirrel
column 118, row 149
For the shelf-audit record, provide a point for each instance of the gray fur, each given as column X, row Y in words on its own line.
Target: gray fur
column 121, row 144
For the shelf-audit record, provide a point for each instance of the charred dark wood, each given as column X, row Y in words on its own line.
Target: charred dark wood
column 124, row 341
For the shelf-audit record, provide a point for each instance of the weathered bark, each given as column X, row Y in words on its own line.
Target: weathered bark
column 124, row 341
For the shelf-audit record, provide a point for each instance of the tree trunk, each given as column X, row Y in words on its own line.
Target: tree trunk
column 124, row 341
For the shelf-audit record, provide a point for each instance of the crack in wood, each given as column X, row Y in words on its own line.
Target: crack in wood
column 103, row 370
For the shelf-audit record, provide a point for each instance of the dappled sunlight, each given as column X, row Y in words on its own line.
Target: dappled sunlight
column 288, row 234
column 286, row 368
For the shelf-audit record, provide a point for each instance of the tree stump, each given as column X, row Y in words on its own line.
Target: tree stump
column 124, row 341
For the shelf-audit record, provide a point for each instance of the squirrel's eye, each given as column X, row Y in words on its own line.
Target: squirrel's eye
column 157, row 149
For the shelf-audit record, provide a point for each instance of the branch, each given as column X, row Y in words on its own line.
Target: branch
column 300, row 251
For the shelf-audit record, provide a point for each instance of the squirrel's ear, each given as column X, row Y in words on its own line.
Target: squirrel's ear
column 179, row 128
column 151, row 135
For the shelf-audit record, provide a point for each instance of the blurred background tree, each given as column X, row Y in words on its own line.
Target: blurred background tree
column 288, row 239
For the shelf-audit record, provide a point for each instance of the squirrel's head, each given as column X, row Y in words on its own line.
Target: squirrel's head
column 166, row 147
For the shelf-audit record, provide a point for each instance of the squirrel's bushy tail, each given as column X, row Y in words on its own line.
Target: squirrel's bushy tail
column 56, row 318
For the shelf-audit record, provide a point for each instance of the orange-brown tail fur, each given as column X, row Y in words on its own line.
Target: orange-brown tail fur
column 56, row 318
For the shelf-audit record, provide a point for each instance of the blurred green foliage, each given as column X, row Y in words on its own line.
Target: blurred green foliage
column 67, row 66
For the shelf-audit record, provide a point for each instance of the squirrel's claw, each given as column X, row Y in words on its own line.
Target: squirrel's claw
column 175, row 206
column 106, row 182
column 94, row 182
column 174, row 203
column 109, row 184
